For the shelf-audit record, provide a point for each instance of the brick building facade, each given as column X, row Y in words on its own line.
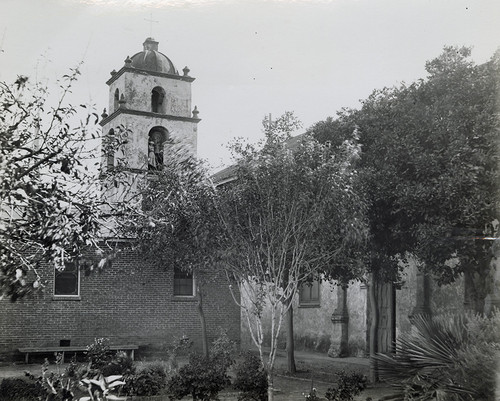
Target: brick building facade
column 129, row 302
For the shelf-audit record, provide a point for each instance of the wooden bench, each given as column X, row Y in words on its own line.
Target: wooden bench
column 73, row 348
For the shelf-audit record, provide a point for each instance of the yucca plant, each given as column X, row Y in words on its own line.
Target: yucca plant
column 99, row 388
column 451, row 357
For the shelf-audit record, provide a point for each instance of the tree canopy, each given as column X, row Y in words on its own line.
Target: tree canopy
column 293, row 212
column 49, row 211
column 430, row 164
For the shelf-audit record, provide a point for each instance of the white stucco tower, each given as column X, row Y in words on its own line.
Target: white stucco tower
column 149, row 98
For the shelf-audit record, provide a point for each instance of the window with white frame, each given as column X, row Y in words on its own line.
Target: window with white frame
column 67, row 281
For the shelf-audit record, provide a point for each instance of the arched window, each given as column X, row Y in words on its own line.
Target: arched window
column 110, row 150
column 116, row 102
column 157, row 100
column 156, row 139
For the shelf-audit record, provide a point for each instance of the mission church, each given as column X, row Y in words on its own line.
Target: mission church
column 132, row 302
column 129, row 302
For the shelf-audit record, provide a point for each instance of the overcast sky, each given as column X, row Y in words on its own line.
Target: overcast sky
column 249, row 58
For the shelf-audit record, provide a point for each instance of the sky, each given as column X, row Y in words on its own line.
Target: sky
column 250, row 58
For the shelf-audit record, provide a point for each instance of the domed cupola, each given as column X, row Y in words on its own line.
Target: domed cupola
column 150, row 59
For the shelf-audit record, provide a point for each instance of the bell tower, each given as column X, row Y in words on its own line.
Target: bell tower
column 152, row 101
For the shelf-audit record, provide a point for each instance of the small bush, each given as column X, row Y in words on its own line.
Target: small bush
column 202, row 378
column 14, row 389
column 349, row 385
column 312, row 395
column 223, row 349
column 251, row 379
column 98, row 353
column 121, row 364
column 147, row 379
column 178, row 347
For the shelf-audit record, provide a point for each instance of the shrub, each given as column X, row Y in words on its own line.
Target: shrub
column 311, row 395
column 223, row 350
column 178, row 347
column 251, row 379
column 349, row 385
column 147, row 379
column 53, row 385
column 204, row 377
column 13, row 389
column 98, row 353
column 121, row 364
column 451, row 357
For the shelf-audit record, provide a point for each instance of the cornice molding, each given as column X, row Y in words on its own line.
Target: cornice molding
column 122, row 110
column 123, row 70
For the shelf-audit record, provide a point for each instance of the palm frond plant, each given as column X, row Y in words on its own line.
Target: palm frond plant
column 450, row 357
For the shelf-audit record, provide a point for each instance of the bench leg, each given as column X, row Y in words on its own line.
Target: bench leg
column 26, row 358
column 132, row 354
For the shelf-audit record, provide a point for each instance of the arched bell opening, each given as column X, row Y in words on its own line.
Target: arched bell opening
column 158, row 100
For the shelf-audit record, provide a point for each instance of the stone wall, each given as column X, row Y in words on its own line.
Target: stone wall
column 313, row 327
column 443, row 299
column 314, row 330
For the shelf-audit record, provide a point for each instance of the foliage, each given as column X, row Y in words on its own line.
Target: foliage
column 146, row 379
column 177, row 347
column 98, row 354
column 451, row 357
column 171, row 219
column 312, row 394
column 120, row 364
column 203, row 377
column 49, row 211
column 53, row 385
column 294, row 210
column 99, row 388
column 429, row 163
column 15, row 388
column 349, row 385
column 251, row 379
column 223, row 349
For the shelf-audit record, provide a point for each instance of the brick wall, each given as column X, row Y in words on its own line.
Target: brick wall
column 128, row 302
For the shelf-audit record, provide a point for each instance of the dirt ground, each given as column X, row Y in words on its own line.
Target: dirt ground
column 314, row 370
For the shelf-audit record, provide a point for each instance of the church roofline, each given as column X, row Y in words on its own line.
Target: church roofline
column 121, row 110
column 122, row 70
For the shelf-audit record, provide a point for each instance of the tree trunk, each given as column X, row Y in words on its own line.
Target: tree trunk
column 474, row 291
column 270, row 389
column 201, row 314
column 373, row 328
column 290, row 346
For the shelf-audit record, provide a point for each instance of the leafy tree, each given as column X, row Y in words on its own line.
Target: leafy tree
column 172, row 220
column 430, row 168
column 290, row 211
column 49, row 211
